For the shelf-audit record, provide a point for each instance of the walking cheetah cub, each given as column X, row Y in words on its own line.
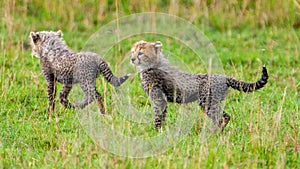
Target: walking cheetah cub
column 59, row 63
column 165, row 83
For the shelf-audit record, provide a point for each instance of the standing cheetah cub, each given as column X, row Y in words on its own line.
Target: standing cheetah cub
column 61, row 64
column 165, row 83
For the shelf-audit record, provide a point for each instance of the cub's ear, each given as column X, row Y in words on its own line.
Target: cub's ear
column 34, row 36
column 157, row 46
column 59, row 33
column 141, row 42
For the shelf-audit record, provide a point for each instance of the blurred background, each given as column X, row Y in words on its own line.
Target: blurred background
column 18, row 17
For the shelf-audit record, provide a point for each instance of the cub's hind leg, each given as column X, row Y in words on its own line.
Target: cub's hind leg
column 91, row 93
column 214, row 112
column 100, row 102
column 219, row 117
column 63, row 96
column 224, row 120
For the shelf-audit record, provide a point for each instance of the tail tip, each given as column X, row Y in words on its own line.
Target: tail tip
column 264, row 70
column 125, row 77
column 121, row 80
column 264, row 67
column 265, row 75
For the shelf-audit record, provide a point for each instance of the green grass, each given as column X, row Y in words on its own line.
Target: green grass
column 264, row 130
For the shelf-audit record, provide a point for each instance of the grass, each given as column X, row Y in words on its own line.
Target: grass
column 263, row 132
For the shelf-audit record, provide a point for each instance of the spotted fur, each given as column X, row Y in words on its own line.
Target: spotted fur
column 165, row 83
column 59, row 63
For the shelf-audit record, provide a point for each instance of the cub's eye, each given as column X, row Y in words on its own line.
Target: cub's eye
column 140, row 53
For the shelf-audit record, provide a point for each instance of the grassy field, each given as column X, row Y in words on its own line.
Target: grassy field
column 265, row 128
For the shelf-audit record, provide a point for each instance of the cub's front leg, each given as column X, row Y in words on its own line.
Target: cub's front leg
column 160, row 106
column 51, row 89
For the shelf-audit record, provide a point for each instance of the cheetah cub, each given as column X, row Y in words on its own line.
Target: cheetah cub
column 165, row 83
column 59, row 63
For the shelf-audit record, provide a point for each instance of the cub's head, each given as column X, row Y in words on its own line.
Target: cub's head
column 44, row 40
column 146, row 55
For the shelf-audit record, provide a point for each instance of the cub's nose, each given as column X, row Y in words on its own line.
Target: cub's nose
column 132, row 59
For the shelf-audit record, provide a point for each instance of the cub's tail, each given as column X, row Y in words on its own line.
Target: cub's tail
column 109, row 76
column 249, row 87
